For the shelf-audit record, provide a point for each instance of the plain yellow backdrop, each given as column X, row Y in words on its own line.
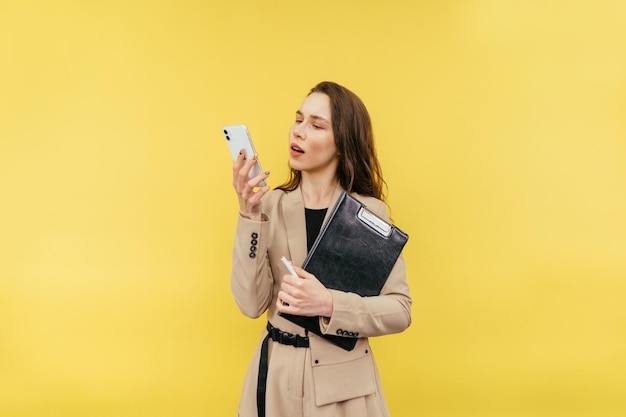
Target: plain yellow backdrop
column 501, row 131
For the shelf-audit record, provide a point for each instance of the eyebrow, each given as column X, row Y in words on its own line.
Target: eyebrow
column 313, row 116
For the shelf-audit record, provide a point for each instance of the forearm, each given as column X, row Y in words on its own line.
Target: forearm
column 251, row 277
column 389, row 312
column 368, row 316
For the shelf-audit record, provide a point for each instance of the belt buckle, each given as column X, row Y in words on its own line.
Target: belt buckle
column 287, row 338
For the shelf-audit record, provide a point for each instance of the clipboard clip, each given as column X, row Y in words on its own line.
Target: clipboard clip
column 374, row 222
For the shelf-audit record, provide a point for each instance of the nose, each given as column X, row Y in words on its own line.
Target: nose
column 298, row 131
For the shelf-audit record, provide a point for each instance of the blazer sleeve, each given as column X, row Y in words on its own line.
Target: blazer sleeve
column 389, row 312
column 251, row 277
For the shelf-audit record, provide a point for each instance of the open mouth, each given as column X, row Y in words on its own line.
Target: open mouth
column 296, row 149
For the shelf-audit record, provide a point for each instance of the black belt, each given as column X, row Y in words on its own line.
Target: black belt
column 285, row 338
column 281, row 337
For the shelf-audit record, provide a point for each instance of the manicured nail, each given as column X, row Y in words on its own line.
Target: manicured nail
column 267, row 173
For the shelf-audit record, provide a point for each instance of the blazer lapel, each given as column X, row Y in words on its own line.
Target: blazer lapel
column 295, row 224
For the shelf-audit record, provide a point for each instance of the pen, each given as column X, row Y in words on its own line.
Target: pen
column 289, row 267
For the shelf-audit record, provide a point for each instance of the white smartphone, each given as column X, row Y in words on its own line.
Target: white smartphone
column 238, row 138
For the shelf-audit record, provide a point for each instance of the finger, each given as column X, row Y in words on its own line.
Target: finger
column 286, row 286
column 302, row 273
column 239, row 161
column 244, row 170
column 241, row 157
column 294, row 286
column 295, row 294
column 241, row 170
column 250, row 162
column 254, row 197
column 284, row 300
column 292, row 282
column 255, row 181
column 282, row 306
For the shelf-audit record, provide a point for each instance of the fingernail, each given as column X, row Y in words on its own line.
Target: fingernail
column 267, row 173
column 254, row 157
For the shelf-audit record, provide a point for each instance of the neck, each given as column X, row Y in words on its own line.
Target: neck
column 318, row 192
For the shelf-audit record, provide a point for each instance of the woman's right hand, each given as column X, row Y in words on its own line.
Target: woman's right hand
column 249, row 198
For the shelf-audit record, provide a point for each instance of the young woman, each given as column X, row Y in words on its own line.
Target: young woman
column 293, row 372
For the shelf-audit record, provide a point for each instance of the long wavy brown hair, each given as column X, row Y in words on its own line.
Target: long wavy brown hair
column 358, row 169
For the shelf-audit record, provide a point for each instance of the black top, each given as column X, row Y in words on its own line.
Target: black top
column 314, row 220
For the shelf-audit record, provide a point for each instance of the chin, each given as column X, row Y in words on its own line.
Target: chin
column 295, row 165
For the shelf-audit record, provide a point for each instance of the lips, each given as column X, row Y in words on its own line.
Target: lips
column 296, row 149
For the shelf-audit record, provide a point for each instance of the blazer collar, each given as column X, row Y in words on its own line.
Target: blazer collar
column 295, row 222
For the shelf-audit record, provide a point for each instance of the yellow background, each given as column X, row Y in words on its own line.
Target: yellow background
column 501, row 130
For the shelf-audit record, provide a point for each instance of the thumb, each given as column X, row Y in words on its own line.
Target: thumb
column 302, row 273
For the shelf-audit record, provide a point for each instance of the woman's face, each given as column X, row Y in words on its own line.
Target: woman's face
column 311, row 141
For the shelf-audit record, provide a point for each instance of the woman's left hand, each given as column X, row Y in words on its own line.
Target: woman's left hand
column 304, row 295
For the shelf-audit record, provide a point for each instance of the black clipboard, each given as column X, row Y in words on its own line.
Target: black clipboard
column 355, row 251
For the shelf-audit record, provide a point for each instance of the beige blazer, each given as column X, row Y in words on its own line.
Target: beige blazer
column 331, row 374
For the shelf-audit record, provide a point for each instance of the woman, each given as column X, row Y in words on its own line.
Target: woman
column 293, row 372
